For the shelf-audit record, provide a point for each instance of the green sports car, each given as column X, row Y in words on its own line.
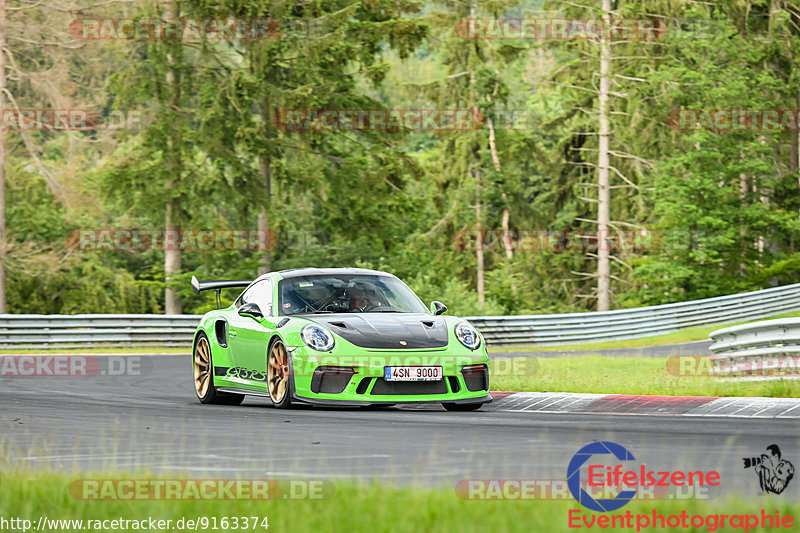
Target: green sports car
column 336, row 336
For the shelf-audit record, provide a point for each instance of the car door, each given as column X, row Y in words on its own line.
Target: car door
column 248, row 336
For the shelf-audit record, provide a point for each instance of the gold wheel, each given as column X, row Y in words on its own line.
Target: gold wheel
column 278, row 373
column 202, row 367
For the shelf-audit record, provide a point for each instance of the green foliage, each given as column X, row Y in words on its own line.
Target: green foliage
column 455, row 294
column 725, row 190
column 397, row 201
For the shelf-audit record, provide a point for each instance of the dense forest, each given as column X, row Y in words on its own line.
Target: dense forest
column 505, row 157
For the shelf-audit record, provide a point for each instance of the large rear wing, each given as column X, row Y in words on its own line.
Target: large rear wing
column 218, row 285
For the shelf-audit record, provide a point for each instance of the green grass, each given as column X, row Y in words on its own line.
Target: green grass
column 372, row 508
column 697, row 333
column 622, row 375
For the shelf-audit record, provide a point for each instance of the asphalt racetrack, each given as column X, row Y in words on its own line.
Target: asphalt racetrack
column 152, row 423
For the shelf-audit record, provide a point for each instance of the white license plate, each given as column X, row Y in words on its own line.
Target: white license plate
column 412, row 373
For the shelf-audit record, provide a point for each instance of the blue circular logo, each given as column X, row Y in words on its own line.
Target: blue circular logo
column 574, row 476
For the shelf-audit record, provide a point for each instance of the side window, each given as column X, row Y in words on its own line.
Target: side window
column 242, row 298
column 260, row 293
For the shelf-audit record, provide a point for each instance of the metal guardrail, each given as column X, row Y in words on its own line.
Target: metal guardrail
column 53, row 331
column 769, row 349
column 572, row 328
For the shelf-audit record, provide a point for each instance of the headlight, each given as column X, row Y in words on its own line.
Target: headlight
column 468, row 335
column 317, row 337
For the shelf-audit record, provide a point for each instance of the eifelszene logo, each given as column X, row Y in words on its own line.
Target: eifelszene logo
column 574, row 476
column 774, row 473
column 594, row 456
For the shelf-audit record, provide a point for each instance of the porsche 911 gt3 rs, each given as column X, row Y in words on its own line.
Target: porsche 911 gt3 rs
column 339, row 336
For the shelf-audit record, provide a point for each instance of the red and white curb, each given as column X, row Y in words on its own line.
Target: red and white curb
column 562, row 402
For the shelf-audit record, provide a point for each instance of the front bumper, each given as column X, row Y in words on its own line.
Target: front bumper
column 487, row 398
column 359, row 380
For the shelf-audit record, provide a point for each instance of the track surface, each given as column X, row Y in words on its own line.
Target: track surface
column 152, row 422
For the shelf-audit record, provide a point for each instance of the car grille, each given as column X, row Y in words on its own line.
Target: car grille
column 386, row 388
column 330, row 380
column 333, row 383
column 476, row 377
column 476, row 383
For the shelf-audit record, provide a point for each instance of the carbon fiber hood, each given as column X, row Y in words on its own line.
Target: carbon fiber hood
column 386, row 330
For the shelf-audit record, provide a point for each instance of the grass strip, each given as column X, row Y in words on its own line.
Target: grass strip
column 623, row 375
column 374, row 508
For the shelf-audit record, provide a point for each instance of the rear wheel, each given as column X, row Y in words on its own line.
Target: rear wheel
column 279, row 380
column 462, row 406
column 204, row 376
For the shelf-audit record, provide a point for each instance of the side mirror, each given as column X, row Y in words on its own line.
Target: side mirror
column 251, row 309
column 438, row 308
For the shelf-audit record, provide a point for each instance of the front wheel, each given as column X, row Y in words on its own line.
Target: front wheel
column 279, row 379
column 203, row 369
column 462, row 406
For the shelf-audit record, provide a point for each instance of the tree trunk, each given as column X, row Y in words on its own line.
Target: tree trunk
column 794, row 164
column 479, row 217
column 172, row 264
column 603, row 189
column 265, row 167
column 794, row 154
column 506, row 213
column 2, row 159
column 172, row 255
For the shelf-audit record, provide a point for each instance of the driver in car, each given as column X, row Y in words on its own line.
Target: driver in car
column 360, row 299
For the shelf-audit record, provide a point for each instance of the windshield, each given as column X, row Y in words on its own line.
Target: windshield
column 346, row 294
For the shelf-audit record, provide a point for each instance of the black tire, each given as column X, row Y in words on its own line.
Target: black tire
column 203, row 370
column 462, row 406
column 280, row 384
